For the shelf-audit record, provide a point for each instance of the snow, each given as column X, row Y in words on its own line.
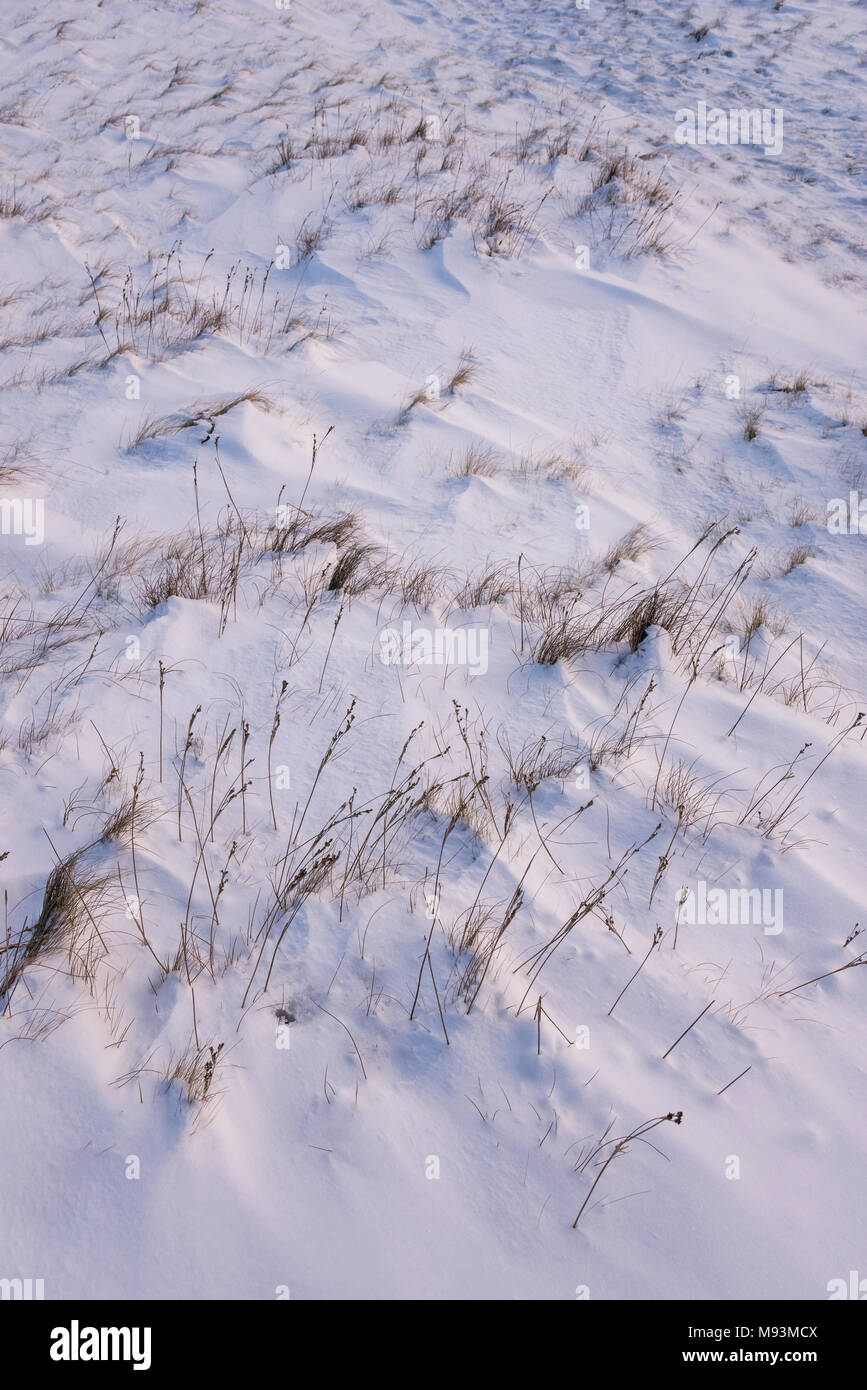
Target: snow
column 339, row 1146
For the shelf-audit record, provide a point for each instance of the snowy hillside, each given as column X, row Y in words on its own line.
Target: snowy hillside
column 432, row 678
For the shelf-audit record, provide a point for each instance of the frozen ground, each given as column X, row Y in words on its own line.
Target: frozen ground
column 582, row 397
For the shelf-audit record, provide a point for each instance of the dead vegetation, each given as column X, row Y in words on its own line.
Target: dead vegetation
column 170, row 311
column 199, row 414
column 688, row 610
column 477, row 461
column 630, row 208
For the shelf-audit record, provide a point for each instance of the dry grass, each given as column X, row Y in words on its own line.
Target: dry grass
column 801, row 513
column 559, row 467
column 703, row 30
column 362, row 192
column 690, row 611
column 756, row 615
column 169, row 312
column 327, row 144
column 17, row 461
column 310, row 236
column 798, row 555
column 796, row 384
column 506, row 223
column 417, row 583
column 632, row 546
column 750, row 417
column 478, row 461
column 631, row 208
column 354, row 573
column 199, row 413
column 540, row 760
column 194, row 1072
column 421, row 396
column 492, row 584
column 13, row 205
column 464, row 371
column 76, row 899
column 285, row 156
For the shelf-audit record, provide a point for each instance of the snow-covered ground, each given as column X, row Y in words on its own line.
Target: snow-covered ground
column 432, row 593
